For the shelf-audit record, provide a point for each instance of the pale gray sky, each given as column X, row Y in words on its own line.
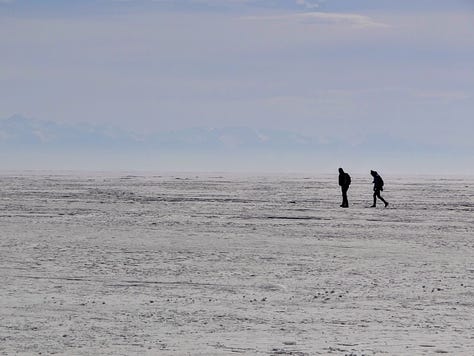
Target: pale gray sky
column 326, row 69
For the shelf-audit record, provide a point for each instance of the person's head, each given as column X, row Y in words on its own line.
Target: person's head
column 341, row 170
column 373, row 173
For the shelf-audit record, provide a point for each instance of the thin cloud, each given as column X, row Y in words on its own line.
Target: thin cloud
column 324, row 18
column 442, row 95
column 209, row 3
column 308, row 4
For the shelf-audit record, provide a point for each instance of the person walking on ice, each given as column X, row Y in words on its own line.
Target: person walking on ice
column 344, row 182
column 378, row 187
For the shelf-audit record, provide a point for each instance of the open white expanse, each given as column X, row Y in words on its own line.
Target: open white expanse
column 213, row 265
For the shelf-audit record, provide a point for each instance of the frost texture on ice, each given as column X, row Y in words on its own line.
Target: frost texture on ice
column 215, row 265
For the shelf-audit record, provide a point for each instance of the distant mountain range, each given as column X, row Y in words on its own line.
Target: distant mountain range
column 39, row 144
column 24, row 133
column 18, row 132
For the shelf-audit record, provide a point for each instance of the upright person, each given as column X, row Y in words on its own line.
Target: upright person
column 344, row 182
column 378, row 187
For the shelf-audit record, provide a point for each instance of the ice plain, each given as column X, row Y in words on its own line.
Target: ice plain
column 193, row 264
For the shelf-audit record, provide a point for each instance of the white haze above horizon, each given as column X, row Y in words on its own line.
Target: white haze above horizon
column 324, row 69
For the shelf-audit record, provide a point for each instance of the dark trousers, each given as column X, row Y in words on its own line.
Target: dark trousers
column 345, row 202
column 377, row 195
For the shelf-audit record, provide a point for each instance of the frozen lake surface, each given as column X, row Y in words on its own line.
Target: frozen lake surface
column 219, row 265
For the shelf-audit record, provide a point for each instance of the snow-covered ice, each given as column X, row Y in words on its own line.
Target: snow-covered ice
column 215, row 265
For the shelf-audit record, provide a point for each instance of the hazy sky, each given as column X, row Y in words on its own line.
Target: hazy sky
column 332, row 68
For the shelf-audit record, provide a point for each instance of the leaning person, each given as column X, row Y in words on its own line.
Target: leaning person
column 378, row 187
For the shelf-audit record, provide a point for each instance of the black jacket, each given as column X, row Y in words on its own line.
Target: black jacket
column 344, row 179
column 378, row 182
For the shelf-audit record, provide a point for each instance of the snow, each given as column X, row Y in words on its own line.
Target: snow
column 199, row 264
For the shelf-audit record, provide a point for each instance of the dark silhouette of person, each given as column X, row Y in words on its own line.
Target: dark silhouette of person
column 378, row 187
column 344, row 182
